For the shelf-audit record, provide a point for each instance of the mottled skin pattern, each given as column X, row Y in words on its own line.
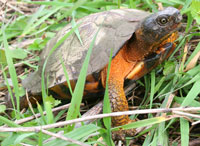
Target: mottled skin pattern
column 152, row 42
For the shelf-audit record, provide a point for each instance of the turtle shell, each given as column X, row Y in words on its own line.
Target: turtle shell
column 115, row 28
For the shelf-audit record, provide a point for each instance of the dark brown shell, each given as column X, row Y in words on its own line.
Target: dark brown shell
column 116, row 27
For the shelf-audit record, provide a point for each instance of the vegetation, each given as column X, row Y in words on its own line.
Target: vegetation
column 26, row 27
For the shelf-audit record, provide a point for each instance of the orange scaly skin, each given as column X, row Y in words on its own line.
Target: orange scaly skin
column 140, row 69
column 119, row 71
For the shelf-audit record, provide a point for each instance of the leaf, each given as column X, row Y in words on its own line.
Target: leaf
column 2, row 57
column 107, row 106
column 2, row 108
column 152, row 88
column 78, row 134
column 66, row 76
column 168, row 68
column 44, row 94
column 151, row 5
column 18, row 53
column 193, row 58
column 148, row 138
column 195, row 10
column 69, row 11
column 9, row 140
column 159, row 84
column 14, row 29
column 184, row 132
column 143, row 123
column 155, row 139
column 29, row 27
column 51, row 3
column 162, row 135
column 37, row 45
column 193, row 62
column 186, row 5
column 73, row 22
column 78, row 91
column 52, row 101
column 40, row 138
column 12, row 70
column 49, row 114
column 39, row 107
column 20, row 137
column 180, row 100
column 172, row 2
column 192, row 94
column 132, row 4
column 97, row 4
column 8, row 122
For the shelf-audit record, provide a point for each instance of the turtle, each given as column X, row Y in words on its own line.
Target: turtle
column 139, row 40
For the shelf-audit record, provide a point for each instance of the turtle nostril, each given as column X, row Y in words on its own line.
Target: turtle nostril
column 178, row 17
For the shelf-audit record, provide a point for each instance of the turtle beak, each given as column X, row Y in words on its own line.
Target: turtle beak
column 178, row 17
column 177, row 21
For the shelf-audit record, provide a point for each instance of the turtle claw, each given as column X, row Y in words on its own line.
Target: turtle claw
column 122, row 134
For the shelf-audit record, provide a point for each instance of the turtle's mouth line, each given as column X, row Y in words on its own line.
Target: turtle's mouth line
column 175, row 27
column 165, row 40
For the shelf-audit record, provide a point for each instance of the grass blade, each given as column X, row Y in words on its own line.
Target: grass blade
column 75, row 6
column 193, row 54
column 8, row 122
column 51, row 3
column 107, row 106
column 78, row 91
column 77, row 134
column 44, row 93
column 41, row 20
column 184, row 132
column 194, row 91
column 143, row 123
column 152, row 87
column 73, row 22
column 11, row 69
column 32, row 20
column 66, row 76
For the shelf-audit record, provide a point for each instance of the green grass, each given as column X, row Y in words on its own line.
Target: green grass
column 167, row 78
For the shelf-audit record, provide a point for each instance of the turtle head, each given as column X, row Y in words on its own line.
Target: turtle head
column 158, row 26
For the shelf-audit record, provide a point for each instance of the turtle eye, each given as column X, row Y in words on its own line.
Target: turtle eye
column 162, row 20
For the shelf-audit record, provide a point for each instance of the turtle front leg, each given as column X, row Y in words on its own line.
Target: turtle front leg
column 122, row 69
column 119, row 103
column 118, row 71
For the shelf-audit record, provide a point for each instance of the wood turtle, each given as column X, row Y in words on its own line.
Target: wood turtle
column 140, row 41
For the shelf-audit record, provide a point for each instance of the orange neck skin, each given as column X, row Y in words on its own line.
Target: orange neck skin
column 125, row 65
column 136, row 48
column 130, row 59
